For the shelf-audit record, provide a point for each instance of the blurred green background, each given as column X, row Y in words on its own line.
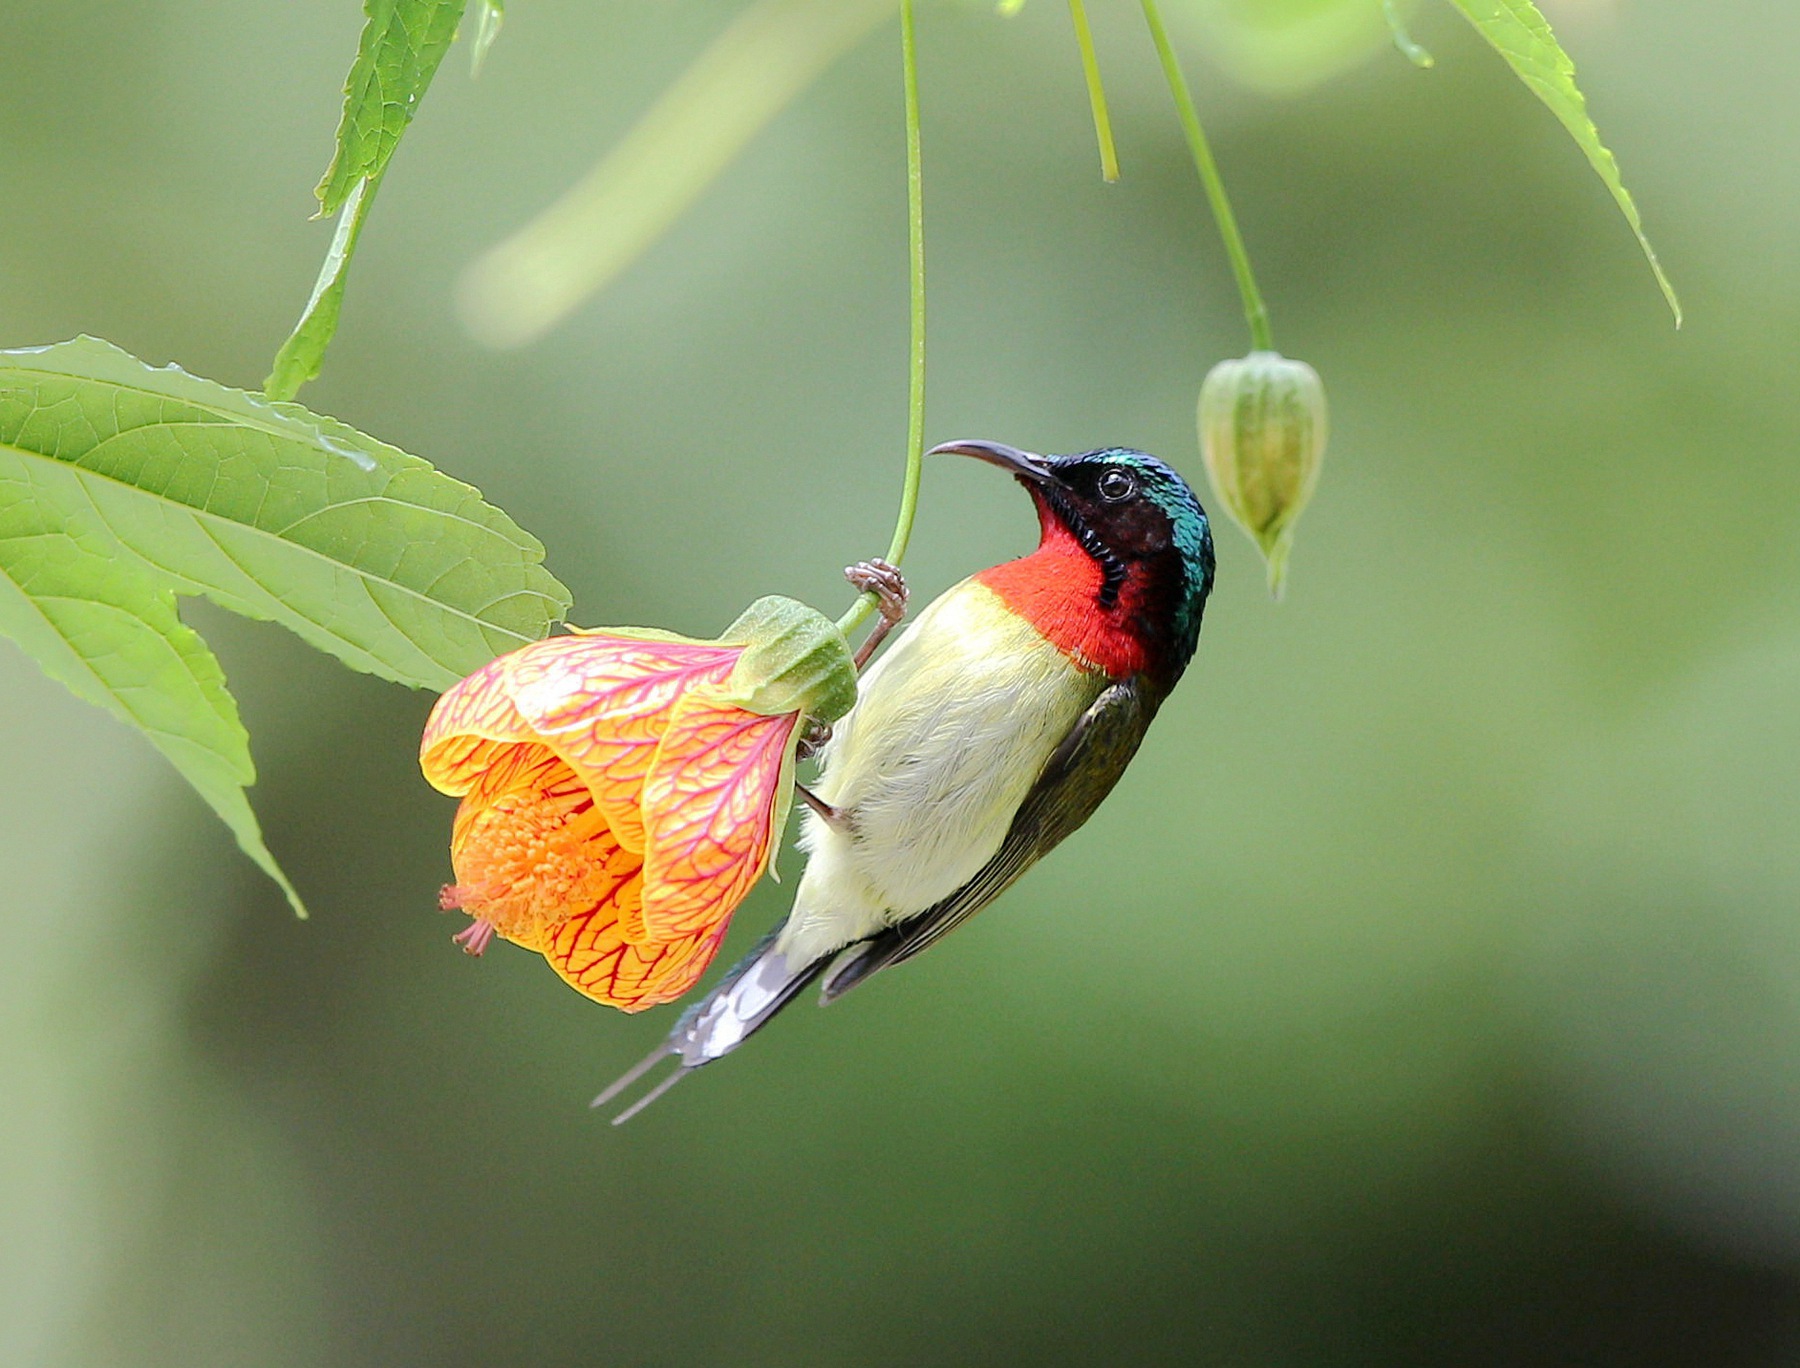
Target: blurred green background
column 1429, row 991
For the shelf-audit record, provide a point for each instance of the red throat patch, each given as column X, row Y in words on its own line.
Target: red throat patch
column 1057, row 590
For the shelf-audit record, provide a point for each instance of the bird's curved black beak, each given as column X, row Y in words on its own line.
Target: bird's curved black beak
column 1021, row 463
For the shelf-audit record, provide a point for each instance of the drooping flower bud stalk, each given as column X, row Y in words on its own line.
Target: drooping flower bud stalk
column 1262, row 435
column 1090, row 67
column 1256, row 314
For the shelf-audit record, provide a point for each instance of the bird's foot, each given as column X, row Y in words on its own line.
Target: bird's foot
column 813, row 739
column 888, row 585
column 835, row 818
column 475, row 936
column 884, row 581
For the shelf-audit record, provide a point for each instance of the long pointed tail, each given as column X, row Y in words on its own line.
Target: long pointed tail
column 763, row 982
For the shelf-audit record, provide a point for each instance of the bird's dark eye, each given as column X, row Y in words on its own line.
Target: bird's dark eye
column 1116, row 485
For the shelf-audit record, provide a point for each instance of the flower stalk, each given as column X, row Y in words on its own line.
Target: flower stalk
column 1255, row 313
column 1090, row 67
column 915, row 235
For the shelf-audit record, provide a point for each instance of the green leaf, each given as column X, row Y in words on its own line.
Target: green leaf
column 303, row 353
column 403, row 42
column 114, row 639
column 123, row 486
column 1520, row 34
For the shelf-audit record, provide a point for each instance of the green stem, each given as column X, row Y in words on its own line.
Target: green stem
column 1090, row 66
column 1255, row 314
column 915, row 233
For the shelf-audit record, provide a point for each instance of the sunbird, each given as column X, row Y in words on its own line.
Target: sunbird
column 992, row 729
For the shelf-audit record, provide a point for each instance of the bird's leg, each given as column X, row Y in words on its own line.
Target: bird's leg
column 835, row 818
column 879, row 578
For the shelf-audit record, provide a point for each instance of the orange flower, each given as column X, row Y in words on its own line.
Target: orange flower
column 623, row 790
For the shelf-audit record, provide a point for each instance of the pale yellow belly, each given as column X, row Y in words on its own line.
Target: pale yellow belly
column 951, row 728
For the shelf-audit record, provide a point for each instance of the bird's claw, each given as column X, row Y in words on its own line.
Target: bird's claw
column 888, row 585
column 884, row 581
column 813, row 739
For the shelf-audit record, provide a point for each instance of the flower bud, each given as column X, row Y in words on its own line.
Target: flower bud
column 1262, row 435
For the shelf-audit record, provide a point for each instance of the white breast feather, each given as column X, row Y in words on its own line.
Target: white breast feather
column 951, row 728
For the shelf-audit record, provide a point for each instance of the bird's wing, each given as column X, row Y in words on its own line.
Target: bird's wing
column 1079, row 774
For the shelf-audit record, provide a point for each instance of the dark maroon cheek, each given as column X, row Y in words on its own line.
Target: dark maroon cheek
column 1146, row 536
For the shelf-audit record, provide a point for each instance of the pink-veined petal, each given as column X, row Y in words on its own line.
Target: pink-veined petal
column 592, row 953
column 602, row 702
column 709, row 801
column 471, row 726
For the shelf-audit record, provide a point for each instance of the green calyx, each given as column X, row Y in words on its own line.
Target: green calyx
column 795, row 660
column 1262, row 436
